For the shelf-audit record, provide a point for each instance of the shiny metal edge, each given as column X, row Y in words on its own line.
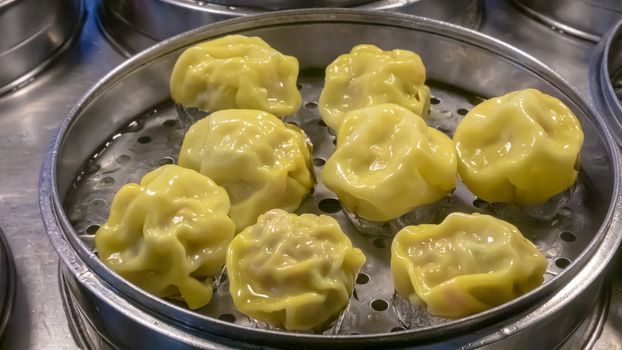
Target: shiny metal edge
column 556, row 24
column 8, row 284
column 60, row 240
column 26, row 76
column 129, row 38
column 601, row 87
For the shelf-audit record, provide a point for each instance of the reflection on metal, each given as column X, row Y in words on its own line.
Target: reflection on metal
column 33, row 33
column 586, row 19
column 133, row 26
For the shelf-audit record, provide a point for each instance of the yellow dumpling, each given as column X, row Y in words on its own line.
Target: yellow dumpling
column 293, row 272
column 262, row 162
column 388, row 162
column 169, row 234
column 236, row 71
column 369, row 76
column 465, row 265
column 521, row 148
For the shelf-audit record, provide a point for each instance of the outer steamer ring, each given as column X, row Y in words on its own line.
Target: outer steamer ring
column 128, row 317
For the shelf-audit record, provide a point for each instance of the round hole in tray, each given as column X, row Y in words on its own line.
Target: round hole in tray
column 166, row 160
column 311, row 105
column 568, row 236
column 562, row 263
column 299, row 86
column 319, row 161
column 379, row 243
column 329, row 205
column 144, row 139
column 170, row 123
column 435, row 100
column 92, row 168
column 107, row 181
column 362, row 278
column 227, row 318
column 124, row 158
column 97, row 203
column 91, row 229
column 479, row 203
column 379, row 305
column 462, row 111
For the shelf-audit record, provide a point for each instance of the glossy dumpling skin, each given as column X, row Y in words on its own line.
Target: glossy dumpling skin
column 521, row 148
column 262, row 162
column 169, row 234
column 369, row 76
column 466, row 264
column 293, row 272
column 236, row 71
column 388, row 162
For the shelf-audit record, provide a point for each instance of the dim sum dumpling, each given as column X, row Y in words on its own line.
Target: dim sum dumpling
column 169, row 234
column 466, row 264
column 521, row 148
column 369, row 76
column 262, row 162
column 236, row 71
column 293, row 272
column 388, row 162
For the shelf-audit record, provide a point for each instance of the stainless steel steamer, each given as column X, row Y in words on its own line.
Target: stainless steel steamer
column 606, row 79
column 586, row 19
column 461, row 64
column 133, row 26
column 34, row 33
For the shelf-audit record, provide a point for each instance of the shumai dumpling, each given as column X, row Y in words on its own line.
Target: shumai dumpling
column 466, row 264
column 293, row 272
column 262, row 162
column 388, row 162
column 236, row 71
column 369, row 76
column 169, row 234
column 521, row 148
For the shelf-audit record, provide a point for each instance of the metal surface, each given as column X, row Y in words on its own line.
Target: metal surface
column 135, row 25
column 7, row 283
column 606, row 79
column 29, row 116
column 497, row 68
column 33, row 33
column 289, row 4
column 586, row 19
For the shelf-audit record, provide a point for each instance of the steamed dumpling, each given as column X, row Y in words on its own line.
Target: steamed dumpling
column 262, row 162
column 236, row 71
column 521, row 148
column 369, row 76
column 465, row 265
column 169, row 234
column 388, row 162
column 293, row 272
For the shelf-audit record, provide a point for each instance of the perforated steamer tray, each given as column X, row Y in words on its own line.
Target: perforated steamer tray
column 125, row 126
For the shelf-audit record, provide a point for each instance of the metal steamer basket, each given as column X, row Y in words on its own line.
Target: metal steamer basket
column 126, row 125
column 606, row 79
column 34, row 33
column 586, row 19
column 132, row 26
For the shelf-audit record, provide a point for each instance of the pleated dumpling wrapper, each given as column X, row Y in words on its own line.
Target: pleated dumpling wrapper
column 521, row 148
column 293, row 272
column 465, row 265
column 236, row 71
column 369, row 76
column 169, row 234
column 388, row 162
column 262, row 162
